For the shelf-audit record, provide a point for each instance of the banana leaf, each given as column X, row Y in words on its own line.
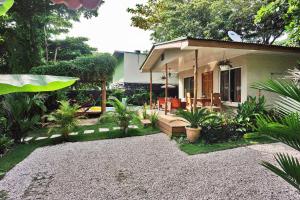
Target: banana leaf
column 33, row 83
column 5, row 5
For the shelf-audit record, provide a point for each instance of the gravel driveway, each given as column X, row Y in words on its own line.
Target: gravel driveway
column 148, row 167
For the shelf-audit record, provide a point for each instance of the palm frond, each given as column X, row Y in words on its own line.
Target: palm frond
column 282, row 87
column 289, row 169
column 286, row 105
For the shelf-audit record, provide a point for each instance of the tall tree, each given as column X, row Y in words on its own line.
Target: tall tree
column 289, row 11
column 28, row 24
column 69, row 48
column 169, row 19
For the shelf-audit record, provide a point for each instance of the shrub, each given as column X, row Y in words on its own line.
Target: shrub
column 65, row 118
column 196, row 118
column 121, row 116
column 5, row 143
column 23, row 113
column 249, row 110
column 154, row 119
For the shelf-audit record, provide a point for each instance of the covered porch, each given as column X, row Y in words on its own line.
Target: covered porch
column 212, row 74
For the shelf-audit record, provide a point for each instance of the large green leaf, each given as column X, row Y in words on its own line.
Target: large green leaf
column 5, row 5
column 33, row 83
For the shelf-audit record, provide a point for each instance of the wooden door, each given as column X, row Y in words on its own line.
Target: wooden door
column 207, row 84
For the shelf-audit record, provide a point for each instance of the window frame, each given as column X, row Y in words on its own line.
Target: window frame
column 232, row 68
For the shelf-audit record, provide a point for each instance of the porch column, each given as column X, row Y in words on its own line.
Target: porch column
column 195, row 81
column 166, row 89
column 150, row 89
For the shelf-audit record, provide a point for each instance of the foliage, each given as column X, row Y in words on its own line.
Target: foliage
column 33, row 83
column 69, row 48
column 170, row 19
column 26, row 28
column 153, row 119
column 65, row 118
column 289, row 11
column 196, row 118
column 6, row 5
column 89, row 69
column 144, row 111
column 122, row 115
column 23, row 113
column 117, row 93
column 139, row 97
column 5, row 143
column 286, row 129
column 249, row 110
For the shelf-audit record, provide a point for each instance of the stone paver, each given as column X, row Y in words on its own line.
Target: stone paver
column 40, row 138
column 55, row 136
column 148, row 167
column 88, row 131
column 116, row 128
column 73, row 133
column 27, row 139
column 103, row 130
column 133, row 126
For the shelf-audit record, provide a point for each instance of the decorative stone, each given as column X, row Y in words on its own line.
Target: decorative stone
column 103, row 130
column 88, row 131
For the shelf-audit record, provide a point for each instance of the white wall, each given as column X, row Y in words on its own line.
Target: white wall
column 132, row 73
column 254, row 68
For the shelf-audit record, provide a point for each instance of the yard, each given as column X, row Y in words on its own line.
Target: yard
column 147, row 167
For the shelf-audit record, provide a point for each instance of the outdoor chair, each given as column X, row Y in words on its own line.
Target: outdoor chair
column 216, row 103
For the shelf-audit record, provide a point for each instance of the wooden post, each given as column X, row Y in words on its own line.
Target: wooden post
column 103, row 90
column 151, row 90
column 166, row 89
column 195, row 81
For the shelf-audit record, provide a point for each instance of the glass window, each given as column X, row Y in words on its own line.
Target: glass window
column 189, row 86
column 230, row 85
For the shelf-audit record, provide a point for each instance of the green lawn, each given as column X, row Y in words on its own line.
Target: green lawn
column 198, row 148
column 21, row 151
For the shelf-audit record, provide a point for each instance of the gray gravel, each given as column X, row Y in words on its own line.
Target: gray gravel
column 149, row 167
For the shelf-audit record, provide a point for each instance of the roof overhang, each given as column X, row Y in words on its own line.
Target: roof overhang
column 180, row 54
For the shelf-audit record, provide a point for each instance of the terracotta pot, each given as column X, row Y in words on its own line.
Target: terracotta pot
column 193, row 134
column 90, row 4
column 73, row 4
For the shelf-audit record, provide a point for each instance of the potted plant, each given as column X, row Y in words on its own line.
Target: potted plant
column 224, row 65
column 196, row 119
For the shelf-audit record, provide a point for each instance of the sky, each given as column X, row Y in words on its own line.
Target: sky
column 111, row 30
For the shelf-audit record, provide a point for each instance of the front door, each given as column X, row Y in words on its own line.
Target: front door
column 207, row 84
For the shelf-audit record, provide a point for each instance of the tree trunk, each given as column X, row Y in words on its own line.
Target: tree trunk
column 103, row 90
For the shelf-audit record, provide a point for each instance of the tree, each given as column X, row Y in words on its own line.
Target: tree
column 170, row 19
column 69, row 48
column 26, row 28
column 97, row 68
column 289, row 11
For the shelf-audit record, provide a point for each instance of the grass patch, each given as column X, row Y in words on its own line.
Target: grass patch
column 19, row 152
column 201, row 147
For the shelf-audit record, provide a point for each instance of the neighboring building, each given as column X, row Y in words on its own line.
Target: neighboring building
column 249, row 64
column 128, row 76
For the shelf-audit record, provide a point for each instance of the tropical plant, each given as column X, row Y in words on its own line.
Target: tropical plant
column 65, row 118
column 196, row 118
column 121, row 116
column 153, row 119
column 23, row 113
column 247, row 111
column 5, row 143
column 286, row 129
column 144, row 111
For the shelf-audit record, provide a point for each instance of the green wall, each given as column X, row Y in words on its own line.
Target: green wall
column 119, row 71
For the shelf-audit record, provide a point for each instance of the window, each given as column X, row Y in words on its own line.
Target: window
column 189, row 86
column 230, row 85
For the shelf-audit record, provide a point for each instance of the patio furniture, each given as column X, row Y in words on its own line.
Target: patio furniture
column 216, row 103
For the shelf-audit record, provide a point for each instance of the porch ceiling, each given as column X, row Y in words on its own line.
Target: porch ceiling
column 180, row 54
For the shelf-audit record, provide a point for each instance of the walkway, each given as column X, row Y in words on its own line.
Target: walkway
column 148, row 167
